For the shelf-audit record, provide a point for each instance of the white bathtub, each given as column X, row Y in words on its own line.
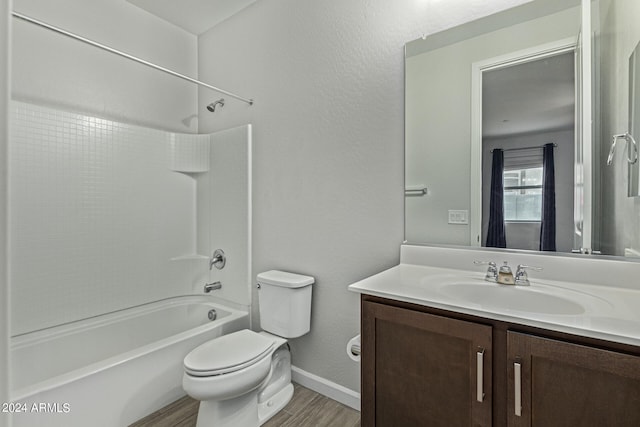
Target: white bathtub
column 114, row 369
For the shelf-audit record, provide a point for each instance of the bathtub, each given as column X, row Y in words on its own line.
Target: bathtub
column 113, row 369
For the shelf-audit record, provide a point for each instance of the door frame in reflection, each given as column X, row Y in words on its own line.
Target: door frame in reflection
column 503, row 61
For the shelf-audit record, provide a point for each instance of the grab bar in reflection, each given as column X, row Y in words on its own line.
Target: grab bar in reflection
column 415, row 190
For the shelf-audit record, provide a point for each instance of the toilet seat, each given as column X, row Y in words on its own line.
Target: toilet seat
column 228, row 353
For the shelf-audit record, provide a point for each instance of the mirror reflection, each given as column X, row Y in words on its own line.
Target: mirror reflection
column 504, row 96
column 528, row 145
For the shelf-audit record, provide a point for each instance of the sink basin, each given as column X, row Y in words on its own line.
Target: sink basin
column 516, row 298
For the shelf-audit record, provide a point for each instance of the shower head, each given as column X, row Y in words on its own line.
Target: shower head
column 212, row 107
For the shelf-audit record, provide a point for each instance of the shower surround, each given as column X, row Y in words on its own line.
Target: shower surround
column 106, row 216
column 96, row 215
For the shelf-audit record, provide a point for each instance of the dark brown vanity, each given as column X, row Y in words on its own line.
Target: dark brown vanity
column 424, row 366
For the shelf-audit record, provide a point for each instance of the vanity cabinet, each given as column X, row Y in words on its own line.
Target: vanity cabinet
column 419, row 369
column 423, row 366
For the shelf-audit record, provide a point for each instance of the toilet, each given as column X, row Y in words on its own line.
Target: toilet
column 244, row 378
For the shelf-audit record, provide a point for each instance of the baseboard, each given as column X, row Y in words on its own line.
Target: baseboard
column 327, row 388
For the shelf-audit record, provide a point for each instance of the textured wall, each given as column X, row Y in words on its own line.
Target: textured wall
column 328, row 80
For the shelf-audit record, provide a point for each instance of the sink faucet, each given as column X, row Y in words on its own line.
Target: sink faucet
column 505, row 275
column 492, row 270
column 208, row 287
column 522, row 278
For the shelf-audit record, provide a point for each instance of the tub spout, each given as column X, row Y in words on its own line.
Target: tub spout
column 208, row 287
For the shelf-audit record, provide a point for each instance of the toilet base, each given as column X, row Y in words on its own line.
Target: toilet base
column 266, row 410
column 240, row 411
column 256, row 406
column 243, row 411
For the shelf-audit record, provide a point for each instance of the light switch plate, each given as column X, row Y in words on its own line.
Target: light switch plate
column 458, row 217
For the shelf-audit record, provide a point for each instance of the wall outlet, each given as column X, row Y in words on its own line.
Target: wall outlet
column 458, row 217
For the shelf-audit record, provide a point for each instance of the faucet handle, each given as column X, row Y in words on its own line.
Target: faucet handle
column 522, row 278
column 217, row 260
column 492, row 270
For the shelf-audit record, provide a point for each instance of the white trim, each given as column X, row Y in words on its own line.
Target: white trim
column 527, row 55
column 325, row 387
column 249, row 266
column 475, row 186
column 586, row 123
column 477, row 68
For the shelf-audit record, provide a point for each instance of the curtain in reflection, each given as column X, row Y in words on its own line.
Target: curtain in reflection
column 496, row 236
column 548, row 226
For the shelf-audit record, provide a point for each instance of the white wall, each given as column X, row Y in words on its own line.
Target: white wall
column 328, row 82
column 52, row 69
column 5, row 28
column 619, row 35
column 439, row 121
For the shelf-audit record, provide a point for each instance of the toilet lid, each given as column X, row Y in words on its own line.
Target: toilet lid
column 227, row 353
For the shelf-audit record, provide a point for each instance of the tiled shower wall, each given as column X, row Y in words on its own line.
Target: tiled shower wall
column 96, row 215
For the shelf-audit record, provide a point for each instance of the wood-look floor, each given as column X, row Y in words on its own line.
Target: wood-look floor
column 306, row 409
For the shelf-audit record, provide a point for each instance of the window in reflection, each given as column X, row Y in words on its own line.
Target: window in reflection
column 523, row 194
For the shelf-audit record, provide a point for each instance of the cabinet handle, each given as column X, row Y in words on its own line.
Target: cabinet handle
column 517, row 379
column 480, row 379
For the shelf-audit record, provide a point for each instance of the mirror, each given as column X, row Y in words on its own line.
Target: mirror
column 479, row 88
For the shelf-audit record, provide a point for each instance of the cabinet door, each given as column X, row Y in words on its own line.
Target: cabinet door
column 424, row 370
column 561, row 384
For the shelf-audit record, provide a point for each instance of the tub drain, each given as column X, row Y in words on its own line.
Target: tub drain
column 212, row 314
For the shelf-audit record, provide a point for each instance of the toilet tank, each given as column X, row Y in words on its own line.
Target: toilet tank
column 285, row 303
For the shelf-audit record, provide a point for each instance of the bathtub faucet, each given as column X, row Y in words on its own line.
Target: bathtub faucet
column 217, row 260
column 208, row 287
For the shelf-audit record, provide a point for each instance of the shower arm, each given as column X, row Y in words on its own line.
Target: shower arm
column 126, row 55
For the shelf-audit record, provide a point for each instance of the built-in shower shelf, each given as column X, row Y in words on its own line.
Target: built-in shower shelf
column 189, row 153
column 190, row 257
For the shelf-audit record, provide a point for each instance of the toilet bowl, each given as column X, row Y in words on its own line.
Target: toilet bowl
column 241, row 379
column 244, row 378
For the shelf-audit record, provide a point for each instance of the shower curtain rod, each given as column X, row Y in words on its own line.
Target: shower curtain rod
column 126, row 55
column 523, row 148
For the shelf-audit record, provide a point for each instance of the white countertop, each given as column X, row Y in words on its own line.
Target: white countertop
column 593, row 310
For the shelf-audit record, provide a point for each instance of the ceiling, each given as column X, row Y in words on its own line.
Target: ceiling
column 534, row 96
column 194, row 16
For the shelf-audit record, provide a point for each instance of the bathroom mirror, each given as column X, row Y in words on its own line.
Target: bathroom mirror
column 470, row 91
